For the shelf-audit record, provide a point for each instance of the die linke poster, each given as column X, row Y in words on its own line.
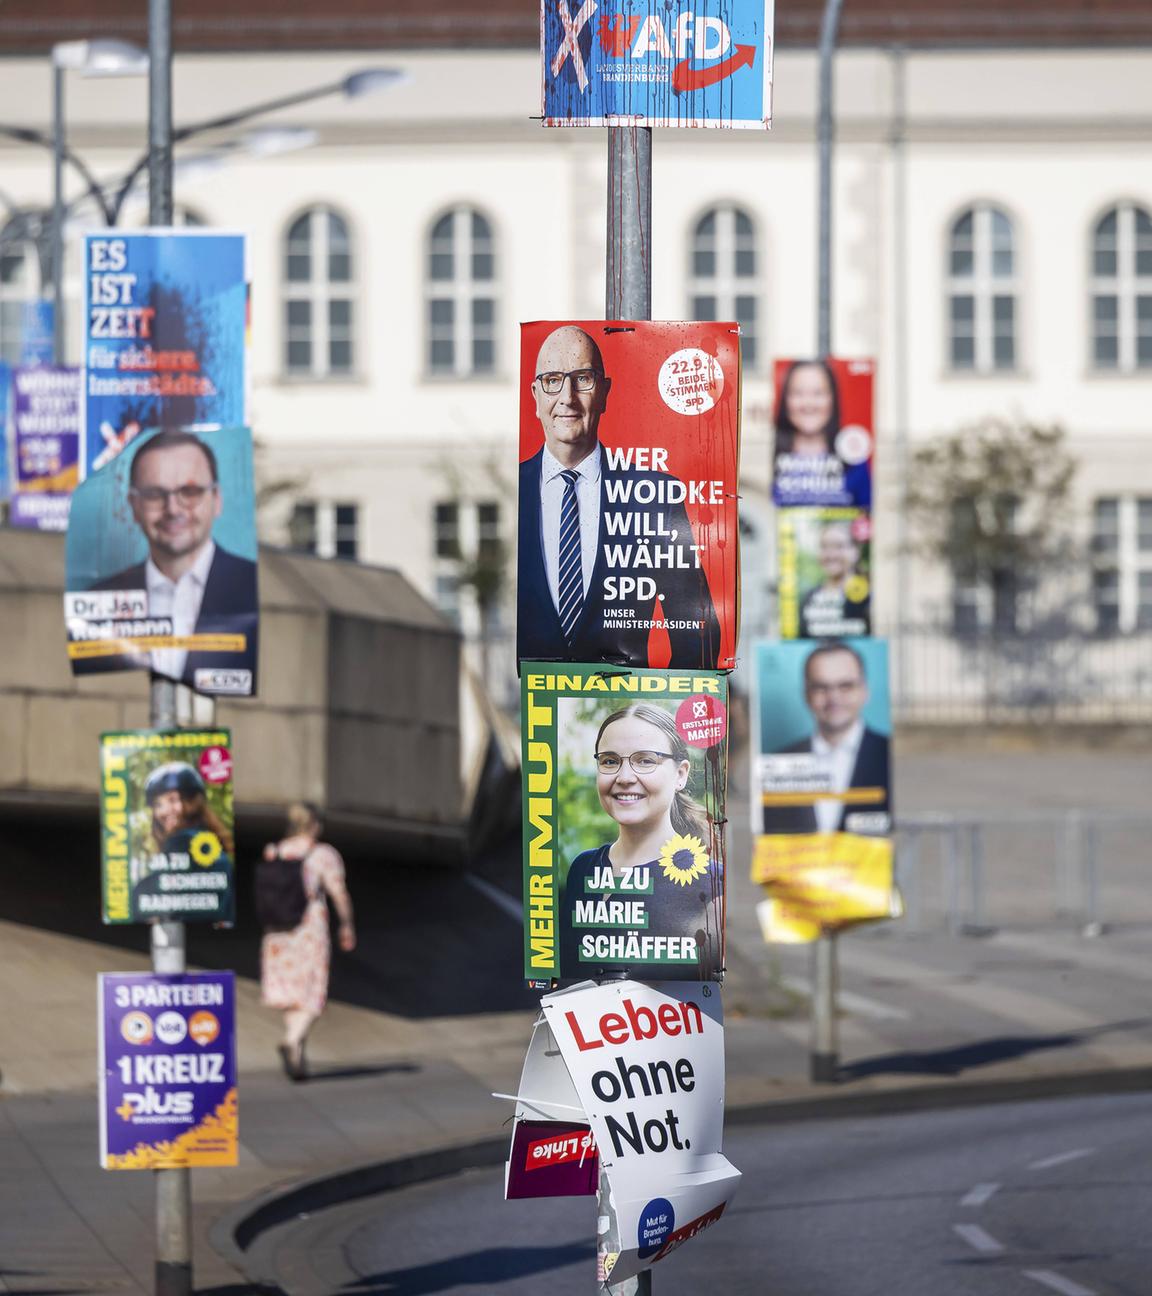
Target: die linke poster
column 629, row 448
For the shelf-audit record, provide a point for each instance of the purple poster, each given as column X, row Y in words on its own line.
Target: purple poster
column 167, row 1070
column 46, row 445
column 552, row 1159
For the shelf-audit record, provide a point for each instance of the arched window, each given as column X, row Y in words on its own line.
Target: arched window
column 982, row 291
column 723, row 278
column 1122, row 289
column 319, row 296
column 461, row 289
column 20, row 283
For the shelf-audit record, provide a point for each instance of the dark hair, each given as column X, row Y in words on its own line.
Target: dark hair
column 834, row 646
column 785, row 428
column 169, row 439
column 175, row 776
column 689, row 818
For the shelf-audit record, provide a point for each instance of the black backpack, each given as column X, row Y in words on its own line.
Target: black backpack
column 281, row 899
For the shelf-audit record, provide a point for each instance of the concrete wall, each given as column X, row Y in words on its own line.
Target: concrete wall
column 358, row 707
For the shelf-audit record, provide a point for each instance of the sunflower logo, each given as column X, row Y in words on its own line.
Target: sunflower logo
column 205, row 848
column 683, row 859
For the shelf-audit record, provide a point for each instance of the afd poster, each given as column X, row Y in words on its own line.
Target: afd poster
column 165, row 335
column 168, row 1096
column 166, row 826
column 823, row 737
column 624, row 786
column 45, row 445
column 824, row 556
column 647, row 1063
column 160, row 562
column 686, row 63
column 629, row 538
column 824, row 433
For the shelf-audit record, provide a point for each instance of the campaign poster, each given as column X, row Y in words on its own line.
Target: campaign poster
column 824, row 433
column 657, row 63
column 166, row 826
column 160, row 562
column 5, row 428
column 624, row 787
column 824, row 557
column 823, row 738
column 647, row 1062
column 629, row 538
column 168, row 1098
column 45, row 445
column 165, row 335
column 37, row 332
column 817, row 884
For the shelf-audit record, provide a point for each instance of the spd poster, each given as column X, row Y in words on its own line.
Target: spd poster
column 824, row 558
column 657, row 63
column 166, row 826
column 624, row 782
column 160, row 562
column 167, row 1070
column 824, row 433
column 165, row 335
column 46, row 445
column 629, row 538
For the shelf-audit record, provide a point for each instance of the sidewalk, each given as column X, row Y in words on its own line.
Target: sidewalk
column 927, row 1018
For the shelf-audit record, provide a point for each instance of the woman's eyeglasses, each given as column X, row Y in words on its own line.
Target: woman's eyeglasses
column 643, row 762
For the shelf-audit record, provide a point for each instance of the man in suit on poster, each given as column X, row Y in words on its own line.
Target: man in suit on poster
column 855, row 757
column 174, row 495
column 571, row 601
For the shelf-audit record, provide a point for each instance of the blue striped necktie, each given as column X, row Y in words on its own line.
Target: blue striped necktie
column 570, row 584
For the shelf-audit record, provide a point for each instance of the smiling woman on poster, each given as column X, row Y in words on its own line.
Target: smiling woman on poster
column 656, row 878
column 813, row 463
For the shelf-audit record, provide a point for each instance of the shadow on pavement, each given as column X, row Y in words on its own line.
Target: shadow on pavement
column 967, row 1057
column 485, row 1269
column 355, row 1072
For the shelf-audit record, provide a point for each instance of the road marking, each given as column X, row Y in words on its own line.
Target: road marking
column 979, row 1195
column 1061, row 1158
column 978, row 1238
column 861, row 1005
column 1057, row 1283
column 501, row 899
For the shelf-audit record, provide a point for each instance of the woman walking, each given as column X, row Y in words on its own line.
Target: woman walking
column 294, row 963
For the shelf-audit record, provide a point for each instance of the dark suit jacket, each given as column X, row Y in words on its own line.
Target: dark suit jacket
column 870, row 771
column 230, row 606
column 685, row 589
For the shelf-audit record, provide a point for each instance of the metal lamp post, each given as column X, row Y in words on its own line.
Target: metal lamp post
column 89, row 58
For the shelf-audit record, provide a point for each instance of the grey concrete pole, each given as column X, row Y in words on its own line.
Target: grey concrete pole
column 57, row 213
column 173, row 1187
column 829, row 26
column 628, row 296
column 824, row 1059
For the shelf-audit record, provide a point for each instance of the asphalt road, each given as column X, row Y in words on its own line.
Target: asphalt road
column 1029, row 1199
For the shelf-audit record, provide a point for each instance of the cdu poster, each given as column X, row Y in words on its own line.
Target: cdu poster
column 165, row 335
column 45, row 445
column 657, row 63
column 167, row 1071
column 160, row 562
column 629, row 538
column 166, row 826
column 624, row 780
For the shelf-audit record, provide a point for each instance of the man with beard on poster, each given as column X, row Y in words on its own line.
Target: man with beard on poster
column 175, row 497
column 574, row 606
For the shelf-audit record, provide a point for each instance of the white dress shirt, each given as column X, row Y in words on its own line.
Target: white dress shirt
column 179, row 600
column 841, row 760
column 552, row 488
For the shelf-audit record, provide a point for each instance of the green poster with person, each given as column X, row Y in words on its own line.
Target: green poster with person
column 624, row 775
column 166, row 826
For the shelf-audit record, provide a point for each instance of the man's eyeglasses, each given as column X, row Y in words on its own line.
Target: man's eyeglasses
column 583, row 380
column 643, row 762
column 157, row 496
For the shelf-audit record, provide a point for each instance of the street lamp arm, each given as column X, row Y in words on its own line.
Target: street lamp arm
column 28, row 136
column 246, row 114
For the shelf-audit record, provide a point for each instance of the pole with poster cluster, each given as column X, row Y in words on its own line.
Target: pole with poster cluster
column 622, row 1088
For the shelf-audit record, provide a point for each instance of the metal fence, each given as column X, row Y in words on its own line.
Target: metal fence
column 1036, row 678
column 1086, row 869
